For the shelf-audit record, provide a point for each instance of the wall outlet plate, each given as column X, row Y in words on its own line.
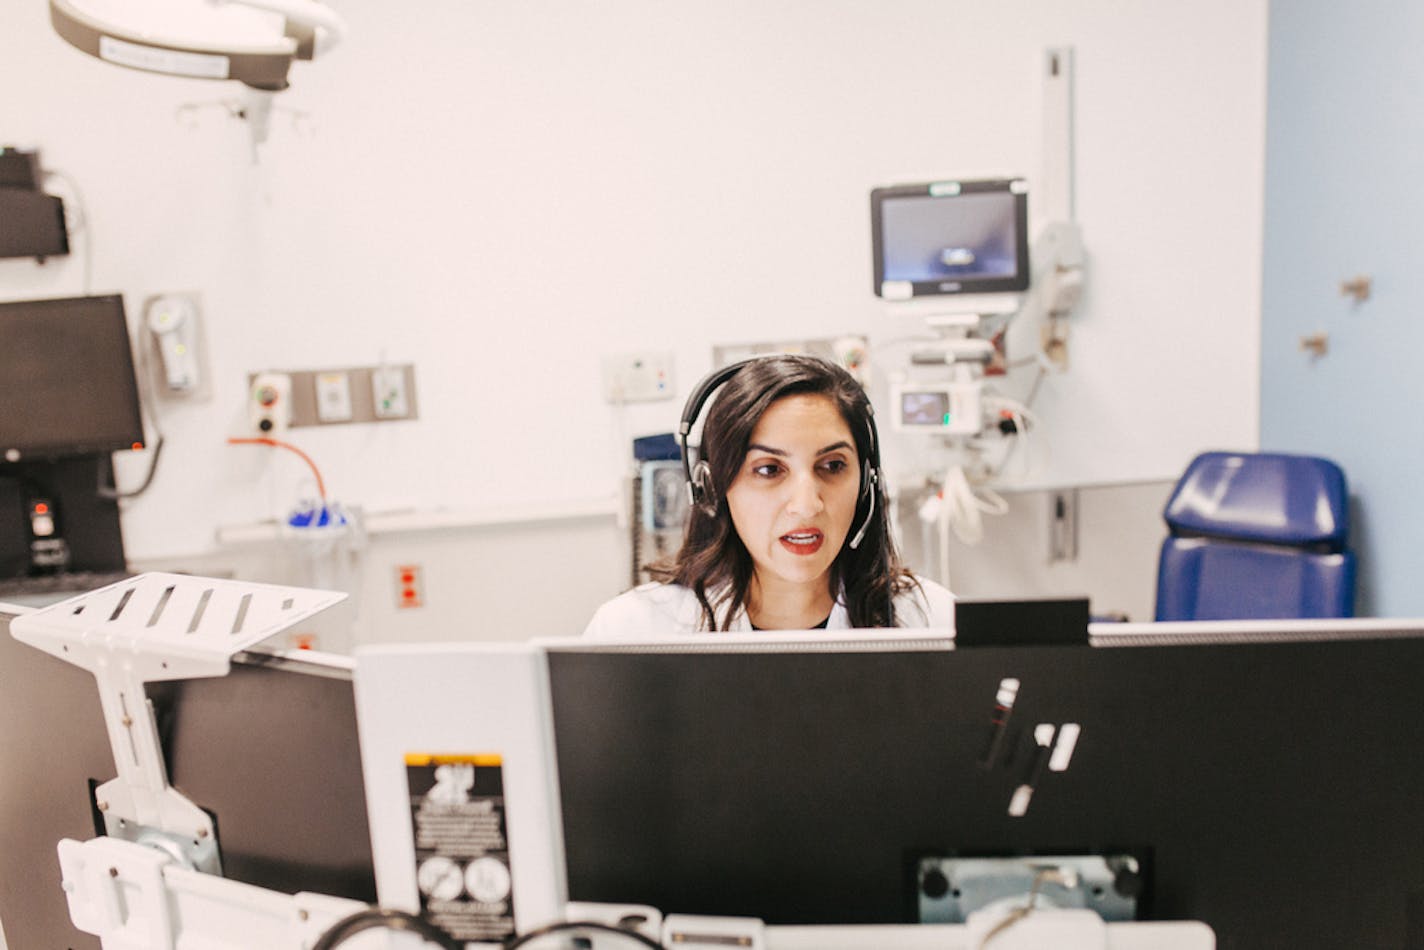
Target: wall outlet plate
column 410, row 586
column 389, row 392
column 269, row 403
column 643, row 376
column 333, row 396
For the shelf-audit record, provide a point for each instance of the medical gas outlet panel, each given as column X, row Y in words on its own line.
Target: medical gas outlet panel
column 282, row 399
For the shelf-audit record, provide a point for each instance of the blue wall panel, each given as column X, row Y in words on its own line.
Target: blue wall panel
column 1344, row 196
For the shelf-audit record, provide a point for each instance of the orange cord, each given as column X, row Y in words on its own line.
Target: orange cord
column 320, row 485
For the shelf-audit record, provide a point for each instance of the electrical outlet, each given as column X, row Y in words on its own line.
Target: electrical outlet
column 638, row 377
column 410, row 588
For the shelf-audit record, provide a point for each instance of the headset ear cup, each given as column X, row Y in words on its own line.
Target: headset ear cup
column 703, row 494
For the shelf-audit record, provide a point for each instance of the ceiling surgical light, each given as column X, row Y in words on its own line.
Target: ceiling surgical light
column 250, row 41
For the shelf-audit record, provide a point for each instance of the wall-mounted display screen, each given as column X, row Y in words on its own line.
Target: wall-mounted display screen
column 950, row 237
column 69, row 378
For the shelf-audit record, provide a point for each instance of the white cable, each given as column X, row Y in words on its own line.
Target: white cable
column 1023, row 419
column 76, row 217
column 943, row 521
column 962, row 509
column 1066, row 877
column 1019, row 414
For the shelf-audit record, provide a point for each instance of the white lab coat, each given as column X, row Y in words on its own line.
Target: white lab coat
column 655, row 611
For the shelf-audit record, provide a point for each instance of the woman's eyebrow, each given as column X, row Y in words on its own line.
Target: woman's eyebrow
column 758, row 447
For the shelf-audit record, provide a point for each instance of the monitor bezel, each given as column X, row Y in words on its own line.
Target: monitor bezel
column 949, row 190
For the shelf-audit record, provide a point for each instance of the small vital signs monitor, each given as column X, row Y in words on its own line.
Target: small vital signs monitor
column 944, row 408
column 950, row 237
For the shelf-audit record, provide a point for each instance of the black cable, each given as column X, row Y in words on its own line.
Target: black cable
column 143, row 380
column 82, row 227
column 525, row 938
column 374, row 917
column 112, row 493
column 386, row 919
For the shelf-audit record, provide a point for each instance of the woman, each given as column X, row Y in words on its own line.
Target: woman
column 788, row 529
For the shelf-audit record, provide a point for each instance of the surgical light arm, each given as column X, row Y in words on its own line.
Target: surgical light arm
column 250, row 41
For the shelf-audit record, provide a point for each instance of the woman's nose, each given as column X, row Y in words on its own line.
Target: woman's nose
column 805, row 495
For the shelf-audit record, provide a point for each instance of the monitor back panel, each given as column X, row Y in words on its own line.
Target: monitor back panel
column 270, row 750
column 1273, row 789
column 88, row 522
column 1002, row 623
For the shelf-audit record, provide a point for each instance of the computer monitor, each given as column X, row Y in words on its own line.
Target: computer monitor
column 270, row 750
column 942, row 238
column 69, row 378
column 1266, row 782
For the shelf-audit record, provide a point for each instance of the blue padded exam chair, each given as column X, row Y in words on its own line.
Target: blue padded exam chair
column 1256, row 536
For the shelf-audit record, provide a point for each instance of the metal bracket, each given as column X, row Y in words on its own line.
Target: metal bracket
column 160, row 627
column 950, row 889
column 133, row 897
column 1316, row 344
column 1357, row 287
column 1057, row 193
column 1063, row 527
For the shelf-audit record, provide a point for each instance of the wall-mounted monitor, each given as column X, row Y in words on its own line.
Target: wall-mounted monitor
column 950, row 237
column 31, row 222
column 69, row 378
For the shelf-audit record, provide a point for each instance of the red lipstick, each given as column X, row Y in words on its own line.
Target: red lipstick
column 805, row 541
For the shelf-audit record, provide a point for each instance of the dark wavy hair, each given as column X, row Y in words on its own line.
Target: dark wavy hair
column 714, row 563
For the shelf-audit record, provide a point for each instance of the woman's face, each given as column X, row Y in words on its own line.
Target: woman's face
column 795, row 495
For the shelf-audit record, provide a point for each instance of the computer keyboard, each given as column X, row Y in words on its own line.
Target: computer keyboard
column 70, row 582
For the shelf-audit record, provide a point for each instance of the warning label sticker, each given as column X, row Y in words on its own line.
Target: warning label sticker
column 461, row 844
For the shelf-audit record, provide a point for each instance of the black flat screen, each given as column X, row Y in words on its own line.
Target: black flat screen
column 1274, row 789
column 69, row 378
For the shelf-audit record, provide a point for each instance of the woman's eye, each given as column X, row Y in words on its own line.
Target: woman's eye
column 767, row 469
column 835, row 466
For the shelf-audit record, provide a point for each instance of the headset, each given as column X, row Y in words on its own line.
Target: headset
column 698, row 475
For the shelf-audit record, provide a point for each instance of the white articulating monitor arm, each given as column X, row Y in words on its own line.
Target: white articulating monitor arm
column 134, row 897
column 159, row 627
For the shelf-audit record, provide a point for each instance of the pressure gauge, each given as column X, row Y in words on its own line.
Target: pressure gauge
column 439, row 878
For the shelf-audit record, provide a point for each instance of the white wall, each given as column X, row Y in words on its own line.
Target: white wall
column 500, row 193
